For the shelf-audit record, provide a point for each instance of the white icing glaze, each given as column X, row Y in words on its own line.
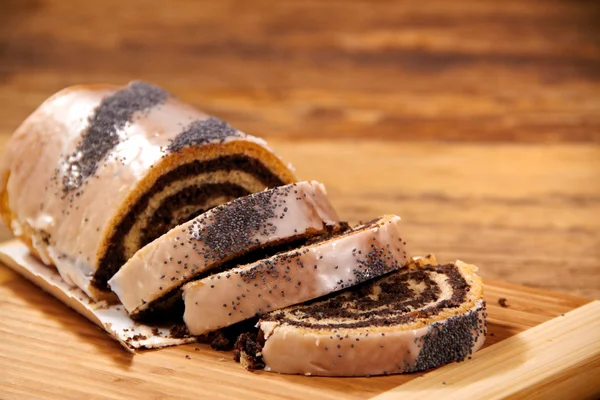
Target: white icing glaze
column 154, row 270
column 210, row 302
column 35, row 152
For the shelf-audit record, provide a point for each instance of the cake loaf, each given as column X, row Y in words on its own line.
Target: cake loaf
column 97, row 172
column 243, row 230
column 413, row 319
column 294, row 276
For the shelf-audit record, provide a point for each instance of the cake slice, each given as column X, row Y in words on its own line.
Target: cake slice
column 413, row 319
column 99, row 171
column 244, row 230
column 295, row 276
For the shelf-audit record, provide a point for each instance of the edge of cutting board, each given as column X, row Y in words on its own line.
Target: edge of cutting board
column 557, row 359
column 535, row 352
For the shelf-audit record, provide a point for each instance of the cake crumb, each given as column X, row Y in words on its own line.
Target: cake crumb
column 502, row 302
column 248, row 352
column 179, row 331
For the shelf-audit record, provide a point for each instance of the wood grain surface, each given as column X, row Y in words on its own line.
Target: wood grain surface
column 478, row 122
column 49, row 351
column 459, row 70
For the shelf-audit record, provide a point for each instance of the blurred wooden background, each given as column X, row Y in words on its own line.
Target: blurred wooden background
column 478, row 122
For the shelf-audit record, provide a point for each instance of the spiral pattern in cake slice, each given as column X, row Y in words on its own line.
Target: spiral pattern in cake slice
column 243, row 230
column 98, row 171
column 291, row 277
column 413, row 319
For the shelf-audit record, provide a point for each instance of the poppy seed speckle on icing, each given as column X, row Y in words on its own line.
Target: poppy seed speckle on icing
column 202, row 132
column 101, row 135
column 267, row 274
column 450, row 341
column 234, row 227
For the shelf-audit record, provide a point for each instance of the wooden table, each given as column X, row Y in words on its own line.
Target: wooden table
column 539, row 344
column 477, row 122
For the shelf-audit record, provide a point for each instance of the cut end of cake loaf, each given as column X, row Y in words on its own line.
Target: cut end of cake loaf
column 295, row 276
column 241, row 231
column 182, row 186
column 413, row 319
column 188, row 181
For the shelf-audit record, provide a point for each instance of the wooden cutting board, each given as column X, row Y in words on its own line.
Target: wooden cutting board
column 541, row 342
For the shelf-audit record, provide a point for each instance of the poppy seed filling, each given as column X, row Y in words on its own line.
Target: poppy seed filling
column 115, row 256
column 387, row 301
